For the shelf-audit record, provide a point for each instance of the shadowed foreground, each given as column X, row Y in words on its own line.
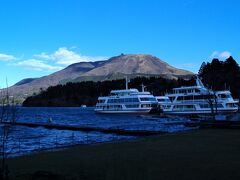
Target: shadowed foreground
column 203, row 154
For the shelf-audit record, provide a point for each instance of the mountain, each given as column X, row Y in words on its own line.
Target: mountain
column 135, row 64
column 30, row 86
column 25, row 81
column 116, row 67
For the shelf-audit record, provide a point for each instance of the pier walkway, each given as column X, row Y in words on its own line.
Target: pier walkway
column 116, row 131
column 128, row 132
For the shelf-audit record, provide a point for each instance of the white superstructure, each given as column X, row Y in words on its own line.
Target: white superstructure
column 126, row 101
column 197, row 100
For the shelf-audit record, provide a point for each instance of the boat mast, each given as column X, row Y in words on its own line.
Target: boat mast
column 143, row 87
column 126, row 81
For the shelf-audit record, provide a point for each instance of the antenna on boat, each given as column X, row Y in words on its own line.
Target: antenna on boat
column 126, row 81
column 142, row 85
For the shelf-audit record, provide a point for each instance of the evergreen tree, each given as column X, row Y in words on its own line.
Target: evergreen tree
column 203, row 65
column 219, row 74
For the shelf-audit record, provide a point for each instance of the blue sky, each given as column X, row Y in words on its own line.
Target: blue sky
column 42, row 36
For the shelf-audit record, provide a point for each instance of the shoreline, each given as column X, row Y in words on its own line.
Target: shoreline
column 114, row 140
column 199, row 154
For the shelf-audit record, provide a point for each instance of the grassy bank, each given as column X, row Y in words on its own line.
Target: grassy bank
column 203, row 154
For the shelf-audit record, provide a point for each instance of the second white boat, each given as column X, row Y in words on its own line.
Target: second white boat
column 197, row 100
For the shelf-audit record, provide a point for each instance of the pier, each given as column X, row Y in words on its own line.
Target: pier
column 117, row 131
column 127, row 132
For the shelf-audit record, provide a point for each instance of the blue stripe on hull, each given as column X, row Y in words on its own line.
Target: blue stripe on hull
column 137, row 111
column 199, row 112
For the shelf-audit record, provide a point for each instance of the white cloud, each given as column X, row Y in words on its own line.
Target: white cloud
column 224, row 55
column 220, row 55
column 7, row 57
column 55, row 61
column 64, row 56
column 37, row 65
column 42, row 55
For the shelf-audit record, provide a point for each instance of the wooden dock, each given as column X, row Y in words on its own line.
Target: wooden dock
column 117, row 131
column 127, row 132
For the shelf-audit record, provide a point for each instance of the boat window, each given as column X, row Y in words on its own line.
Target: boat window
column 197, row 90
column 147, row 99
column 197, row 97
column 187, row 107
column 204, row 105
column 222, row 96
column 131, row 100
column 132, row 106
column 110, row 101
column 172, row 98
column 112, row 107
column 101, row 100
column 163, row 100
column 232, row 105
column 135, row 100
column 180, row 98
column 122, row 100
column 208, row 106
column 145, row 105
column 166, row 106
column 182, row 91
column 219, row 105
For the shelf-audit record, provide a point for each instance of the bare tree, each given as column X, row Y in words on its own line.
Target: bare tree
column 8, row 115
column 4, row 171
column 213, row 103
column 2, row 106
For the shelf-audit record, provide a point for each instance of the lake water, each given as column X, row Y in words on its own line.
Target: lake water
column 23, row 140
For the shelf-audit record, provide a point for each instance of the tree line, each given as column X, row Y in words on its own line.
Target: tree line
column 86, row 93
column 221, row 75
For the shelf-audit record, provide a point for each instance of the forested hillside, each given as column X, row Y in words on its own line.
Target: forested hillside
column 76, row 94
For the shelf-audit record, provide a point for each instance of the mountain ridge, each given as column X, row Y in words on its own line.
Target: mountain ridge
column 114, row 68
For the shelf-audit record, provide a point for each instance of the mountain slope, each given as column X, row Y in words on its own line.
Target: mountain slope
column 69, row 73
column 135, row 64
column 114, row 68
column 25, row 81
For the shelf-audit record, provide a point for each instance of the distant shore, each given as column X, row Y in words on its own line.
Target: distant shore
column 202, row 154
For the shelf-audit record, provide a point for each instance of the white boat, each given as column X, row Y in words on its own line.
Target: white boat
column 126, row 101
column 197, row 100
